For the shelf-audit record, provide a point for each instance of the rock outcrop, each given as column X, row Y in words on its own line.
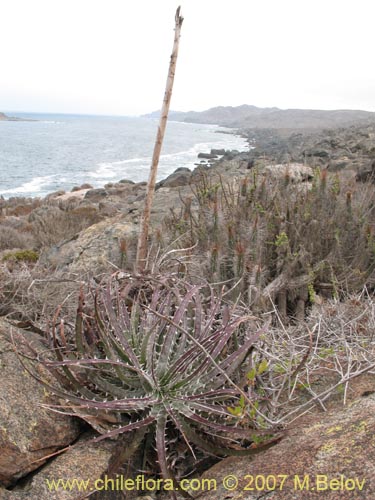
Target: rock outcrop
column 180, row 177
column 350, row 148
column 296, row 172
column 95, row 248
column 367, row 175
column 28, row 432
column 81, row 465
column 336, row 453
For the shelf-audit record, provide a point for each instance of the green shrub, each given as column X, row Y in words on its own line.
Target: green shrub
column 21, row 256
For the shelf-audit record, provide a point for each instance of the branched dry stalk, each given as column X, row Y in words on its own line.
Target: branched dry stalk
column 28, row 296
column 312, row 361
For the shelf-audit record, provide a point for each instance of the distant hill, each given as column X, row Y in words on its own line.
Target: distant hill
column 247, row 116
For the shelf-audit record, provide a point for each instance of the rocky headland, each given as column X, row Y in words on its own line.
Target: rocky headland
column 6, row 118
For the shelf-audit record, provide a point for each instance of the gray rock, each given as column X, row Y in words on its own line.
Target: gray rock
column 207, row 156
column 230, row 155
column 108, row 209
column 367, row 175
column 331, row 445
column 181, row 177
column 118, row 190
column 126, row 181
column 339, row 164
column 28, row 432
column 85, row 461
column 95, row 249
column 96, row 194
column 296, row 172
column 55, row 194
column 320, row 153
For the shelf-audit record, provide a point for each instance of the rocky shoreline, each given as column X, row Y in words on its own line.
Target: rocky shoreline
column 348, row 150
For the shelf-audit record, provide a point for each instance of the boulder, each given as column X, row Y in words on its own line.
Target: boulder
column 28, row 432
column 230, row 155
column 207, row 156
column 126, row 181
column 96, row 248
column 219, row 152
column 108, row 209
column 297, row 172
column 367, row 175
column 339, row 164
column 85, row 461
column 119, row 190
column 96, row 194
column 83, row 186
column 180, row 177
column 320, row 153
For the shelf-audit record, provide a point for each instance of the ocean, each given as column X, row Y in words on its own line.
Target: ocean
column 62, row 151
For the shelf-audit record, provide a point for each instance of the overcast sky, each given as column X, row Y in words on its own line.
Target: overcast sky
column 111, row 56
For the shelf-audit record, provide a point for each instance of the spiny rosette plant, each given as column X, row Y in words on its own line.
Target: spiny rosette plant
column 156, row 357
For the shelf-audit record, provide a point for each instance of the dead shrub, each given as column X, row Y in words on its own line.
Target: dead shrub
column 51, row 225
column 11, row 237
column 32, row 293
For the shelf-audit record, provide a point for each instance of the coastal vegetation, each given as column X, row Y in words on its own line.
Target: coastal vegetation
column 255, row 306
column 200, row 317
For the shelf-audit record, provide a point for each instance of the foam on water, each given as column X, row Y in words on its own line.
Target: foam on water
column 104, row 171
column 36, row 185
column 137, row 169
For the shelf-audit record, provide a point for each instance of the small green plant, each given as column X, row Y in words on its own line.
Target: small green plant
column 326, row 352
column 242, row 408
column 21, row 256
column 281, row 239
column 311, row 292
column 152, row 358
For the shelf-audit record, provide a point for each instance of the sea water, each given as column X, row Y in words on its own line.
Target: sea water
column 56, row 152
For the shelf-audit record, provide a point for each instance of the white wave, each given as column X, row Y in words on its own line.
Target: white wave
column 137, row 168
column 36, row 185
column 105, row 171
column 130, row 160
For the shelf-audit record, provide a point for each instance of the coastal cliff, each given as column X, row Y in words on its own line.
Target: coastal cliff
column 4, row 117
